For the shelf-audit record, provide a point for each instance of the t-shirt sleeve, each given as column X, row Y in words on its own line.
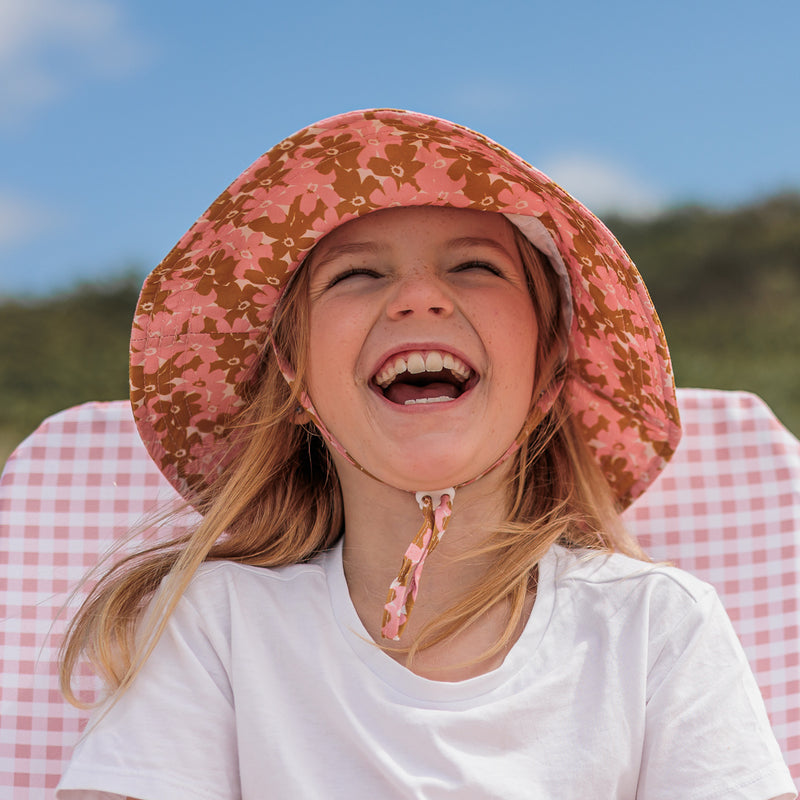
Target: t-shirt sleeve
column 707, row 732
column 172, row 733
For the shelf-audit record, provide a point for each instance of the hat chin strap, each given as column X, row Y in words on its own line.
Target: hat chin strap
column 436, row 510
column 436, row 506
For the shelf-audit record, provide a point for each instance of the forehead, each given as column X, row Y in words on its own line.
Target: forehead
column 439, row 225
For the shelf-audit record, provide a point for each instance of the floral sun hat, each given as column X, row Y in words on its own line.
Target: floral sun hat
column 203, row 318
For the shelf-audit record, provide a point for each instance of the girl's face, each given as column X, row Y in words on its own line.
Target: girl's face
column 422, row 343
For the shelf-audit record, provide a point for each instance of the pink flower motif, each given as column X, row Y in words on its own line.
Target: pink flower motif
column 149, row 360
column 315, row 193
column 263, row 302
column 521, row 200
column 434, row 179
column 271, row 205
column 195, row 375
column 245, row 241
column 232, row 323
column 333, row 217
column 390, row 195
column 166, row 322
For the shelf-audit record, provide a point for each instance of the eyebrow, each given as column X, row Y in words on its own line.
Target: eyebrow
column 478, row 241
column 352, row 249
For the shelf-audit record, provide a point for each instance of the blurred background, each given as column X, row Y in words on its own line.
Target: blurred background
column 121, row 120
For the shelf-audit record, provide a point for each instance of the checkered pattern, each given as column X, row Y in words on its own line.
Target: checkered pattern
column 80, row 482
column 727, row 509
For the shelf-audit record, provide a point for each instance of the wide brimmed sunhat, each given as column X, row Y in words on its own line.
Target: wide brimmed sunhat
column 203, row 318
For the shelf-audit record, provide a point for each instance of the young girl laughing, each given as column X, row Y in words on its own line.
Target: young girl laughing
column 390, row 329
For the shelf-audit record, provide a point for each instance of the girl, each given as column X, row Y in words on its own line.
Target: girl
column 390, row 322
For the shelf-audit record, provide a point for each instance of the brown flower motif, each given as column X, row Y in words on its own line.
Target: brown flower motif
column 333, row 152
column 401, row 163
column 212, row 273
column 464, row 162
column 618, row 475
column 483, row 189
column 354, row 191
column 232, row 360
column 289, row 237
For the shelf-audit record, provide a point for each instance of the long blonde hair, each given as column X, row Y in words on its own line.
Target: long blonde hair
column 278, row 502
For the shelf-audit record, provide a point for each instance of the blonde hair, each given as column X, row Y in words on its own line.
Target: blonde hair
column 261, row 511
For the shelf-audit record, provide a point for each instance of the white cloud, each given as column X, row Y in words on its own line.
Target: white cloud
column 605, row 187
column 19, row 219
column 48, row 46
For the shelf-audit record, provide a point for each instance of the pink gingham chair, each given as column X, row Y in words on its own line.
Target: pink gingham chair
column 727, row 508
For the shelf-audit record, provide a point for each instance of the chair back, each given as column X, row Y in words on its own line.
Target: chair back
column 81, row 482
column 727, row 508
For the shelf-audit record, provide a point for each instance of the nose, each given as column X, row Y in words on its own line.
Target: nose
column 420, row 293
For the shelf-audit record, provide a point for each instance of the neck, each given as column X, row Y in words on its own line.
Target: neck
column 380, row 522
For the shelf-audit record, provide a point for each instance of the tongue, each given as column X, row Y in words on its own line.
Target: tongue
column 401, row 393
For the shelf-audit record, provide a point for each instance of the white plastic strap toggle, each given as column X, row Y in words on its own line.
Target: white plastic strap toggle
column 436, row 497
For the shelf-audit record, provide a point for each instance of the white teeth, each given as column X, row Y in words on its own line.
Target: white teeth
column 417, row 362
column 433, row 362
column 427, row 400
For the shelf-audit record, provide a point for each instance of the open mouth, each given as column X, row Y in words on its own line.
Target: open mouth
column 429, row 376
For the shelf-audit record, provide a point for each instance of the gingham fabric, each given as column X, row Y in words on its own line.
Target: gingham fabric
column 727, row 508
column 77, row 484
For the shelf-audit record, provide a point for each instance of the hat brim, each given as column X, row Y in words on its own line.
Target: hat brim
column 203, row 316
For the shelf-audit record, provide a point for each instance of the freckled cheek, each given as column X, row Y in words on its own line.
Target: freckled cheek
column 335, row 343
column 519, row 342
column 515, row 328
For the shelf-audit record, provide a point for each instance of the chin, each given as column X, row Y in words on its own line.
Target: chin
column 431, row 473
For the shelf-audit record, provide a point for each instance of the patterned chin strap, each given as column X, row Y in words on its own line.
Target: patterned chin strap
column 404, row 588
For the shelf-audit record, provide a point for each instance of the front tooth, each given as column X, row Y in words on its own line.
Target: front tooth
column 400, row 366
column 448, row 362
column 434, row 362
column 416, row 363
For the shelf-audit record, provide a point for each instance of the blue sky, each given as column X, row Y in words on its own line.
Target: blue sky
column 121, row 120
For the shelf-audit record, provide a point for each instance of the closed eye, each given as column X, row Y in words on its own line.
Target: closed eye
column 485, row 266
column 349, row 273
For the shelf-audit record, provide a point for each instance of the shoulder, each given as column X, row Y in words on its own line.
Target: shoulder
column 643, row 620
column 212, row 573
column 220, row 590
column 597, row 568
column 612, row 585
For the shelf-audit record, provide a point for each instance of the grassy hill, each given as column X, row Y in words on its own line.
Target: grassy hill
column 60, row 351
column 726, row 284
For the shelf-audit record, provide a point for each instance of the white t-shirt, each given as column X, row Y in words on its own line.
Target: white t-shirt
column 627, row 682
